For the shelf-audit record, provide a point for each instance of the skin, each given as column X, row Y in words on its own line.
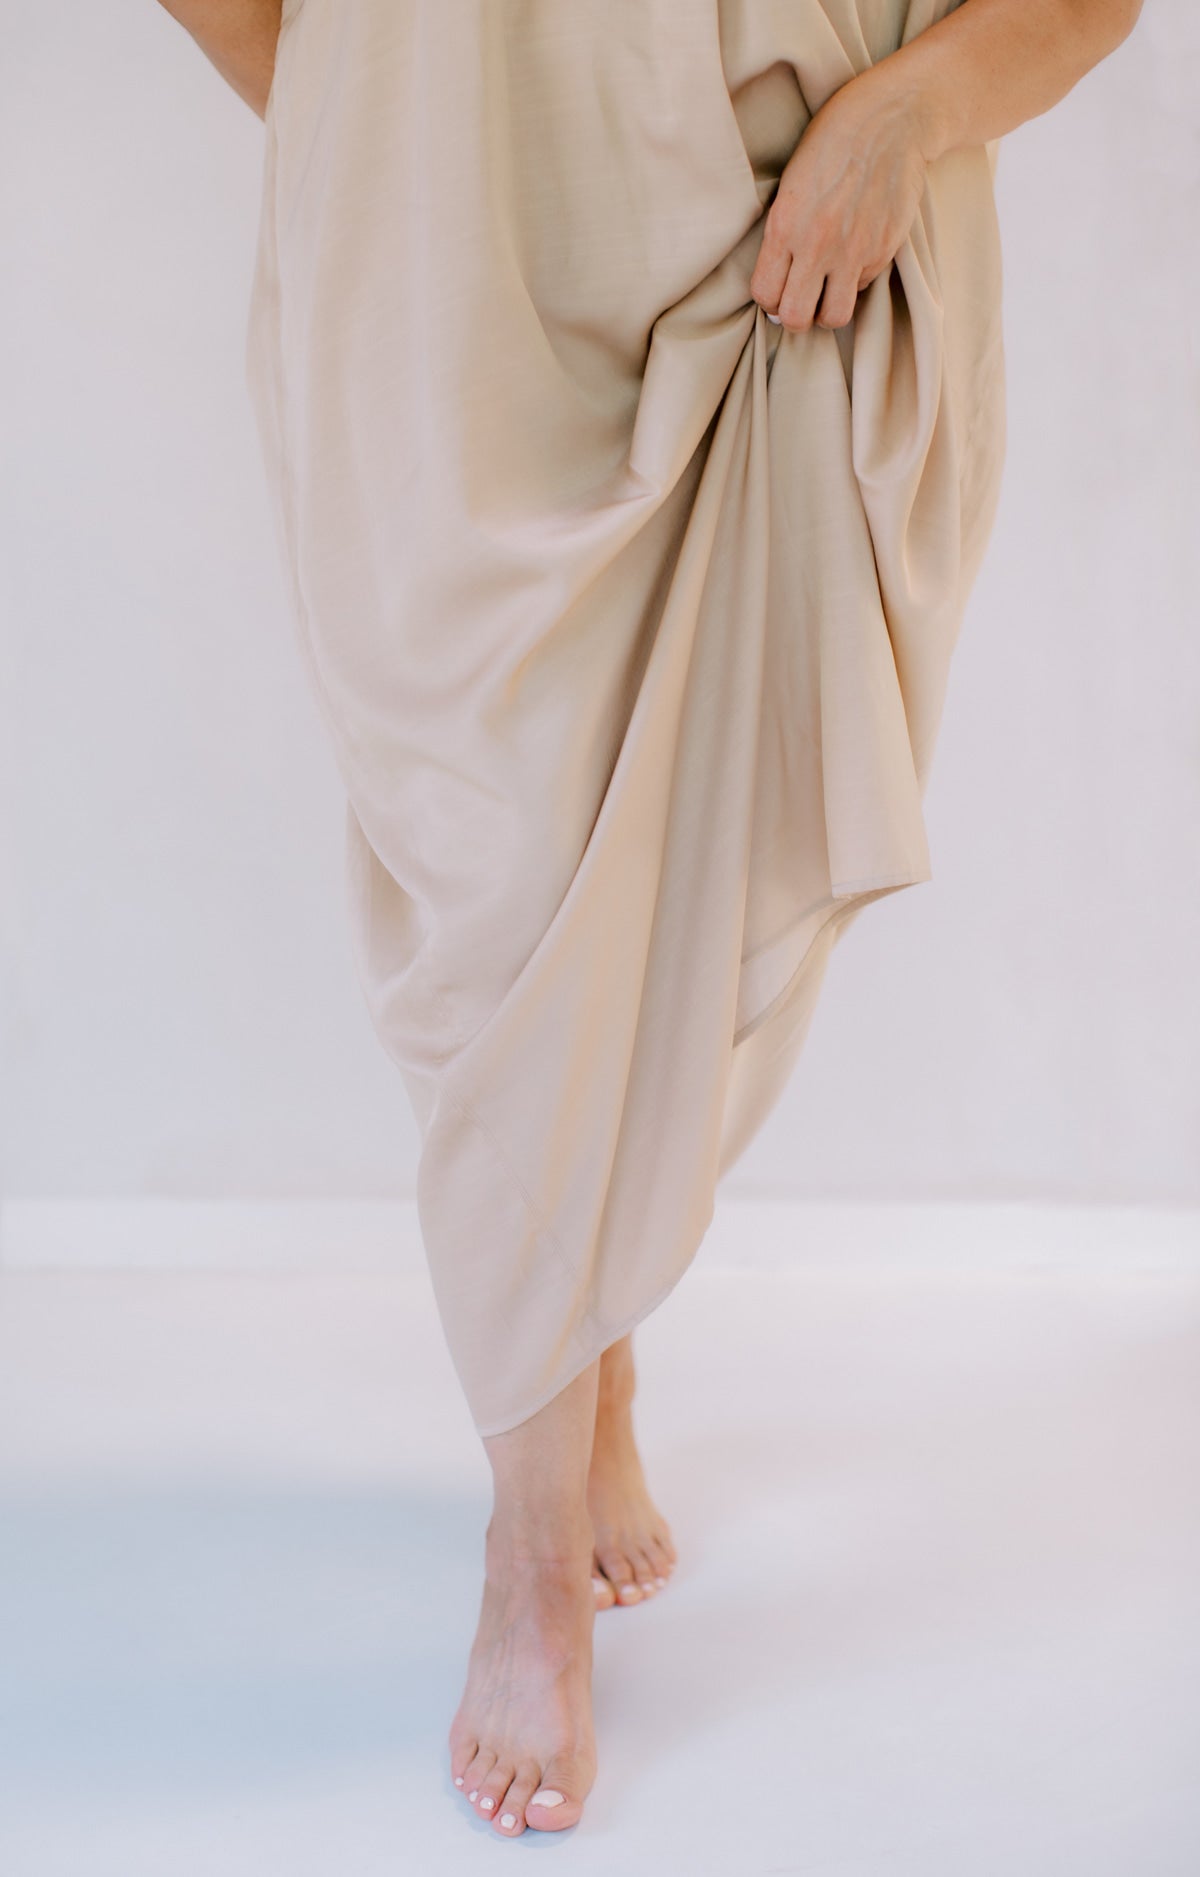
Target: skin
column 570, row 1510
column 239, row 38
column 848, row 195
column 573, row 1528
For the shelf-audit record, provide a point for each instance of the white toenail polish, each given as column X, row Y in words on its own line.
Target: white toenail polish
column 458, row 1782
column 546, row 1798
column 472, row 1796
column 485, row 1805
column 508, row 1820
column 660, row 1581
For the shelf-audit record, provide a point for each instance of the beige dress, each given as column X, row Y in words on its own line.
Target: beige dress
column 629, row 613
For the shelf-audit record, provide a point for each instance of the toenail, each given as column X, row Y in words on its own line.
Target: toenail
column 660, row 1581
column 547, row 1798
column 508, row 1820
column 485, row 1805
column 473, row 1795
column 458, row 1782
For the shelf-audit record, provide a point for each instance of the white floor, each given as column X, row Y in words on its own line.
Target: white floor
column 937, row 1612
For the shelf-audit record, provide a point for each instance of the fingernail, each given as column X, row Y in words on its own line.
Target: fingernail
column 508, row 1820
column 547, row 1798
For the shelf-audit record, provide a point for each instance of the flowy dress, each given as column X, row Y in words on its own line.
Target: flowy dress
column 629, row 612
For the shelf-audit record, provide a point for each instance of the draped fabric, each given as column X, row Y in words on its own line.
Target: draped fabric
column 629, row 613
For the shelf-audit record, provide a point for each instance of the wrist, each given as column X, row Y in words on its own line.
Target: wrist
column 904, row 84
column 937, row 131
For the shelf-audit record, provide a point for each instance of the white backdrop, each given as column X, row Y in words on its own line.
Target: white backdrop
column 178, row 1013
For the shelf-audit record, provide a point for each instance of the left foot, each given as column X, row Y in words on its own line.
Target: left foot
column 634, row 1554
column 522, row 1744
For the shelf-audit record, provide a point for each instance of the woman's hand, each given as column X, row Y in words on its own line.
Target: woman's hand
column 849, row 193
column 845, row 203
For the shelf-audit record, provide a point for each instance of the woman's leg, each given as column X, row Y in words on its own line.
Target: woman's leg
column 634, row 1553
column 522, row 1745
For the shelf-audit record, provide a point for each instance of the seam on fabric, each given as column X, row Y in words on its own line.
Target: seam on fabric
column 345, row 756
column 468, row 1114
column 990, row 365
column 819, row 905
column 870, row 881
column 607, row 1334
column 839, row 909
column 602, row 1334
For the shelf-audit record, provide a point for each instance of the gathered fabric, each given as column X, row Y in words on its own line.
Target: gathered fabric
column 629, row 612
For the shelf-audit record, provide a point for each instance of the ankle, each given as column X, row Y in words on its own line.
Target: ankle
column 617, row 1381
column 614, row 1408
column 519, row 1532
column 615, row 1401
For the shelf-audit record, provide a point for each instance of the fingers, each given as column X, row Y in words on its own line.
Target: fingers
column 770, row 274
column 810, row 270
column 808, row 298
column 838, row 301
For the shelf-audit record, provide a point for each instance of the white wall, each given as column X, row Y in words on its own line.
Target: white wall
column 177, row 1007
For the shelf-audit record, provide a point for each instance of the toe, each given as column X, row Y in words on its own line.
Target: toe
column 460, row 1758
column 555, row 1804
column 476, row 1772
column 494, row 1788
column 660, row 1558
column 606, row 1596
column 619, row 1573
column 510, row 1816
column 645, row 1572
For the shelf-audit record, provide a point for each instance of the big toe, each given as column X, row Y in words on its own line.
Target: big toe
column 619, row 1569
column 556, row 1803
column 604, row 1591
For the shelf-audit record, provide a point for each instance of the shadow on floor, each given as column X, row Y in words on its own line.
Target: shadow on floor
column 191, row 1638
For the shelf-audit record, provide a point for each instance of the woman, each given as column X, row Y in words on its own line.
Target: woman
column 630, row 381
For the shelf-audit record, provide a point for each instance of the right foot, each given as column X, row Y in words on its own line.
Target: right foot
column 522, row 1746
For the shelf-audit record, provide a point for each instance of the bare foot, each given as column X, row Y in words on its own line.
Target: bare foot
column 634, row 1553
column 522, row 1746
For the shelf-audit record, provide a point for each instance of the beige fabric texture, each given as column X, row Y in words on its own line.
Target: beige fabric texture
column 629, row 612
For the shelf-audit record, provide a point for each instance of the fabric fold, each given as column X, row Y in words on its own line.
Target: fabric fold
column 629, row 613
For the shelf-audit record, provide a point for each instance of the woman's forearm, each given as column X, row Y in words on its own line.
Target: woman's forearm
column 239, row 37
column 993, row 64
